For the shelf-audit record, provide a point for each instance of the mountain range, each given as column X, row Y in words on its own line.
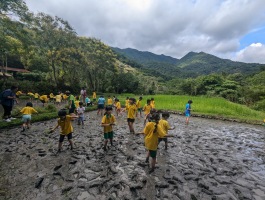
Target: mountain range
column 191, row 65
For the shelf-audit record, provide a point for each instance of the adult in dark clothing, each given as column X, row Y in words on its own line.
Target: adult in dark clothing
column 7, row 101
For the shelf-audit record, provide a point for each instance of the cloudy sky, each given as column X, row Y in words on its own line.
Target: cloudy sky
column 233, row 29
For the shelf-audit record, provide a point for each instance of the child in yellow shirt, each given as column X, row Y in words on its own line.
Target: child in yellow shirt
column 165, row 126
column 108, row 121
column 26, row 115
column 151, row 132
column 64, row 122
column 132, row 109
column 139, row 106
column 147, row 108
column 118, row 106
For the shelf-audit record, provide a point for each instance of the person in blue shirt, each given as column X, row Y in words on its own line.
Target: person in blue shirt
column 8, row 97
column 101, row 104
column 187, row 111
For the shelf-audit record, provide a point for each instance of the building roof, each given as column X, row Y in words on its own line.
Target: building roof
column 14, row 69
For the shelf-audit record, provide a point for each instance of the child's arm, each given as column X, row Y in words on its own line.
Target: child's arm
column 110, row 124
column 169, row 135
column 52, row 130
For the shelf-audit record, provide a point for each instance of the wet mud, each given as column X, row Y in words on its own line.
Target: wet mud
column 207, row 159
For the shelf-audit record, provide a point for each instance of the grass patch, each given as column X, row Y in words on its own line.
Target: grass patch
column 211, row 106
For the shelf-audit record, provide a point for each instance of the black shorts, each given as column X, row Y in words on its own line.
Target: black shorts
column 162, row 139
column 100, row 106
column 69, row 137
column 130, row 120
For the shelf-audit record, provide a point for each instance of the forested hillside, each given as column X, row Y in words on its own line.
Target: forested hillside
column 191, row 65
column 57, row 58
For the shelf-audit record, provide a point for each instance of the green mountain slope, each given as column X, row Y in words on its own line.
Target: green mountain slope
column 191, row 65
column 203, row 63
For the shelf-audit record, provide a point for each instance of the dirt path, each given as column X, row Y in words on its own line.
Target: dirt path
column 207, row 159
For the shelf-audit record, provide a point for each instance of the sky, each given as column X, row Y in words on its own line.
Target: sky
column 231, row 29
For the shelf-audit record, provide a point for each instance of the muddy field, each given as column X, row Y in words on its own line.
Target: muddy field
column 207, row 159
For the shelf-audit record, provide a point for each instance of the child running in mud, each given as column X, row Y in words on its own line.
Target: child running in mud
column 118, row 107
column 64, row 122
column 152, row 131
column 165, row 126
column 132, row 109
column 26, row 115
column 139, row 106
column 108, row 121
column 147, row 108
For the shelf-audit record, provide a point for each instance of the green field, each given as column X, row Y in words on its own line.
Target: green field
column 204, row 105
column 207, row 106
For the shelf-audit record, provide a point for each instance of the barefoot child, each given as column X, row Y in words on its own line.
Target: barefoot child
column 165, row 126
column 139, row 107
column 64, row 122
column 118, row 107
column 26, row 118
column 147, row 108
column 108, row 121
column 152, row 131
column 132, row 109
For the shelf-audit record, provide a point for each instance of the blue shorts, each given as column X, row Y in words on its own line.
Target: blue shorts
column 187, row 114
column 26, row 118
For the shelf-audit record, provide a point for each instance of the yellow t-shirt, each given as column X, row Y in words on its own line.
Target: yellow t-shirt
column 108, row 119
column 77, row 103
column 131, row 111
column 51, row 95
column 66, row 125
column 65, row 96
column 94, row 95
column 118, row 105
column 147, row 108
column 152, row 103
column 28, row 110
column 164, row 125
column 109, row 102
column 138, row 104
column 151, row 138
column 18, row 93
column 44, row 98
column 127, row 102
column 36, row 95
column 58, row 98
column 30, row 94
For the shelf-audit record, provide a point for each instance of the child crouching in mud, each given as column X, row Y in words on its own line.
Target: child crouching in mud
column 64, row 122
column 108, row 121
column 151, row 132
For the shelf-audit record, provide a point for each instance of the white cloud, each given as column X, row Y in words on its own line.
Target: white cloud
column 255, row 53
column 170, row 27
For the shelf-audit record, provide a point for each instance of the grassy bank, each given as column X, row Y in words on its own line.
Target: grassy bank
column 210, row 106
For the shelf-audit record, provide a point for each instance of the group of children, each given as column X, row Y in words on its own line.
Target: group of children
column 155, row 130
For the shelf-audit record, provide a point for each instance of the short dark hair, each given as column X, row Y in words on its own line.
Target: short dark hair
column 108, row 108
column 62, row 113
column 165, row 114
column 13, row 87
column 190, row 101
column 29, row 104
